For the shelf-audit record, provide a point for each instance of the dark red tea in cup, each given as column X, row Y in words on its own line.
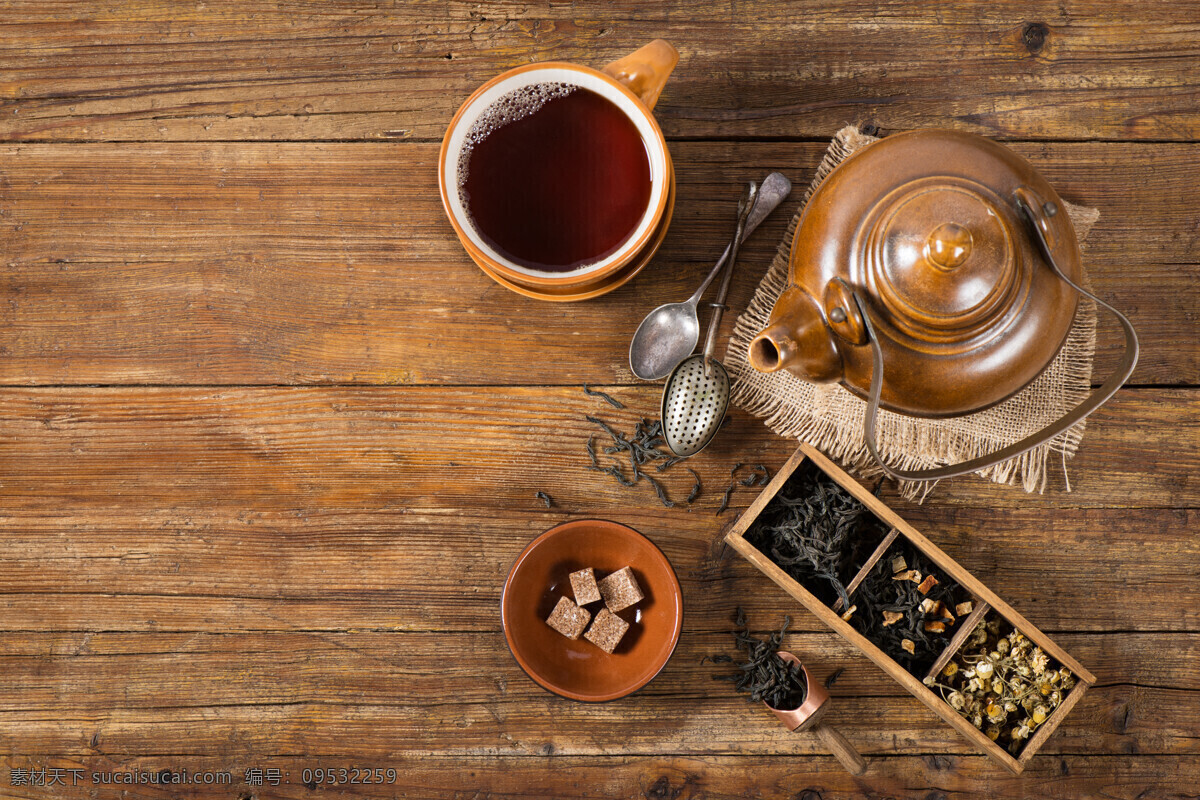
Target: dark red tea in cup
column 554, row 177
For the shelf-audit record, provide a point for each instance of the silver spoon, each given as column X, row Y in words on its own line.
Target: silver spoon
column 696, row 394
column 670, row 332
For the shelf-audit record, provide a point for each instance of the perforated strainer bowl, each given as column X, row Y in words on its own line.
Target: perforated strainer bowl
column 696, row 395
column 694, row 404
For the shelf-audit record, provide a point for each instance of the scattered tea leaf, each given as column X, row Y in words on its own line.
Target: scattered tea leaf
column 605, row 397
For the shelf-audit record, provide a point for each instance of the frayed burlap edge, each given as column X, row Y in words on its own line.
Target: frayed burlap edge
column 831, row 418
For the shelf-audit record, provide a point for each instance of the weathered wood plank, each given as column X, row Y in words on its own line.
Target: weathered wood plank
column 1159, row 722
column 192, row 509
column 538, row 776
column 183, row 572
column 98, row 675
column 58, row 671
column 270, row 451
column 152, row 70
column 333, row 263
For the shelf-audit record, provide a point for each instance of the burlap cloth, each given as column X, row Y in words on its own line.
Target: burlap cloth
column 831, row 419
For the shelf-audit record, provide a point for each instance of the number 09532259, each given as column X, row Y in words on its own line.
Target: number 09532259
column 348, row 775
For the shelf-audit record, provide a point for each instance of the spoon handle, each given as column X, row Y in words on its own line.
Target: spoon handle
column 775, row 187
column 745, row 207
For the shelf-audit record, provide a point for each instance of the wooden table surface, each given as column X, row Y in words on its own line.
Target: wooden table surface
column 269, row 441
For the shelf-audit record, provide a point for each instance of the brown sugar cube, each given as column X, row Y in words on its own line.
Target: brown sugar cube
column 607, row 630
column 568, row 618
column 620, row 589
column 583, row 584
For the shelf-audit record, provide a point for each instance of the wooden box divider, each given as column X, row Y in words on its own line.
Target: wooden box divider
column 985, row 600
column 960, row 635
column 867, row 566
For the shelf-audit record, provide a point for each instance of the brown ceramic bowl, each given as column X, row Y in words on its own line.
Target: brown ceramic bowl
column 579, row 670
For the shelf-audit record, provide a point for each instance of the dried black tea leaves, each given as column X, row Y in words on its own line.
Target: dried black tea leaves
column 645, row 446
column 612, row 401
column 764, row 676
column 637, row 451
column 817, row 532
column 695, row 492
column 759, row 476
column 914, row 606
column 545, row 498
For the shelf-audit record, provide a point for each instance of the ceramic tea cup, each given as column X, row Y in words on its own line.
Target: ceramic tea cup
column 627, row 90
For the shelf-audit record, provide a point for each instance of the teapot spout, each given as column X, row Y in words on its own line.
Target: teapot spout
column 797, row 339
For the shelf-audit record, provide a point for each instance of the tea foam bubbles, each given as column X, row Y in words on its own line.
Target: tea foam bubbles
column 516, row 105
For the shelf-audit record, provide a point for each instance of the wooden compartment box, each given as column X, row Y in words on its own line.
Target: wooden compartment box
column 984, row 599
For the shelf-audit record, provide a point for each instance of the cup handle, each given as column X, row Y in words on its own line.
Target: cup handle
column 645, row 71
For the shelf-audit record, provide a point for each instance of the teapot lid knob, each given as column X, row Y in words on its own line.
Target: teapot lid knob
column 949, row 245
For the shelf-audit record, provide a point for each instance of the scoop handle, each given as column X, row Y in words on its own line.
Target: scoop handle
column 842, row 750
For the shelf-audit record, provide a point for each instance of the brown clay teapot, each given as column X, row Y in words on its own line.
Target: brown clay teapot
column 933, row 273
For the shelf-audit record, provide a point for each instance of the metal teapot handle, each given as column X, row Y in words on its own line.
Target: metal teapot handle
column 1081, row 411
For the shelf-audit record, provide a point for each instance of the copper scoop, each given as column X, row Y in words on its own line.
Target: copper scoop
column 807, row 717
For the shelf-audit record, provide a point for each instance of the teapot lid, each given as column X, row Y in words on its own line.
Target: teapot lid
column 942, row 260
column 925, row 225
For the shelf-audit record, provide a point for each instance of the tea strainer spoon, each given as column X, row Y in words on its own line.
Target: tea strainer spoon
column 696, row 395
column 670, row 332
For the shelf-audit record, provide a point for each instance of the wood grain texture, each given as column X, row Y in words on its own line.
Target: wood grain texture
column 358, row 69
column 546, row 774
column 334, row 263
column 376, row 694
column 182, row 572
column 377, row 449
column 212, row 564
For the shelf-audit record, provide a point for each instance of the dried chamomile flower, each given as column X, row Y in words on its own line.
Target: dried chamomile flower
column 1004, row 684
